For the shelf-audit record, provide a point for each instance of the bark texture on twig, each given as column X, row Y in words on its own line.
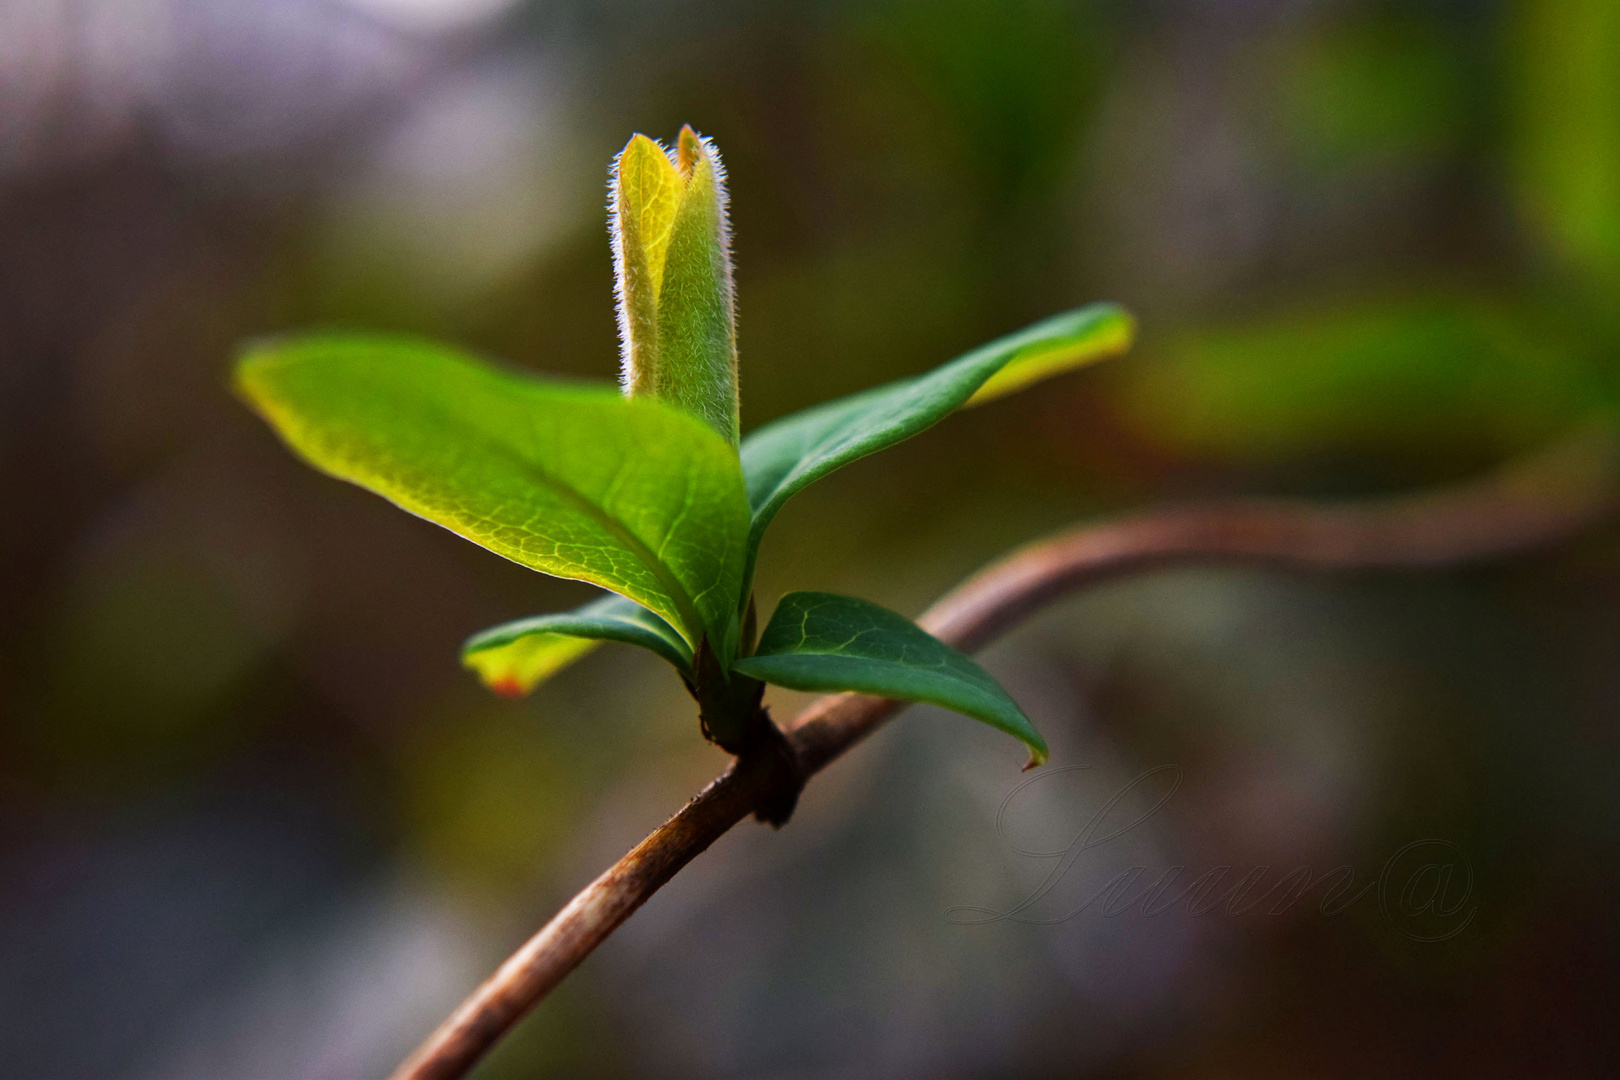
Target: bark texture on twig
column 1533, row 504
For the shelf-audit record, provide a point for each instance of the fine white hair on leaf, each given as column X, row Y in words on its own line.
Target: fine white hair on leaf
column 722, row 195
column 677, row 337
column 628, row 375
column 724, row 383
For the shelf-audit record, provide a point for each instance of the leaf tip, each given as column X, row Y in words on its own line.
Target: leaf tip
column 696, row 306
column 251, row 377
column 1072, row 340
column 1121, row 334
column 498, row 674
column 688, row 148
column 248, row 355
column 637, row 139
column 507, row 687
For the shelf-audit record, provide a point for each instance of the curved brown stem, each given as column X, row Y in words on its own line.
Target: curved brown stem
column 1532, row 504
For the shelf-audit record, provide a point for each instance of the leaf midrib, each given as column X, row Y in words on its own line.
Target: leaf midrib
column 685, row 605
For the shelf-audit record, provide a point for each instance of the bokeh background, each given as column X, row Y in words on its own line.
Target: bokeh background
column 255, row 822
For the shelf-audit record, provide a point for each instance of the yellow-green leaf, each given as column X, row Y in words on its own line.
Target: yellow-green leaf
column 697, row 342
column 672, row 258
column 569, row 479
column 514, row 669
column 646, row 190
column 1108, row 336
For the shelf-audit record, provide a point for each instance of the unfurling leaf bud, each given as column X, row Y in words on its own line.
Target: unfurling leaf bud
column 672, row 261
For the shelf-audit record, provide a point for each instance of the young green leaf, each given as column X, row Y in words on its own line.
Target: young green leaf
column 787, row 455
column 571, row 480
column 646, row 190
column 515, row 657
column 827, row 643
column 672, row 259
column 697, row 336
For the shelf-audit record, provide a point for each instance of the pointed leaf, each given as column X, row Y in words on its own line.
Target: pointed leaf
column 515, row 657
column 515, row 669
column 646, row 190
column 1110, row 335
column 784, row 457
column 697, row 340
column 571, row 480
column 827, row 643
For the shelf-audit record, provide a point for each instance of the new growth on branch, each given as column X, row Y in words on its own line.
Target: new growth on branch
column 651, row 493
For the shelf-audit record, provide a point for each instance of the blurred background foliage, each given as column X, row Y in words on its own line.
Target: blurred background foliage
column 255, row 822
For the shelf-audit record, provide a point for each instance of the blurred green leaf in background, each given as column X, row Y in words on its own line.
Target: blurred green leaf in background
column 1565, row 151
column 1416, row 375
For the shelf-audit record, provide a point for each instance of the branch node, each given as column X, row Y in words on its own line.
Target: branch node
column 767, row 748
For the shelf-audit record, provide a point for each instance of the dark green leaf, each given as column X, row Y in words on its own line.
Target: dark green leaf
column 785, row 456
column 515, row 657
column 828, row 643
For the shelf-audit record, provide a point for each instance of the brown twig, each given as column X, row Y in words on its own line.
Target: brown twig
column 1533, row 504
